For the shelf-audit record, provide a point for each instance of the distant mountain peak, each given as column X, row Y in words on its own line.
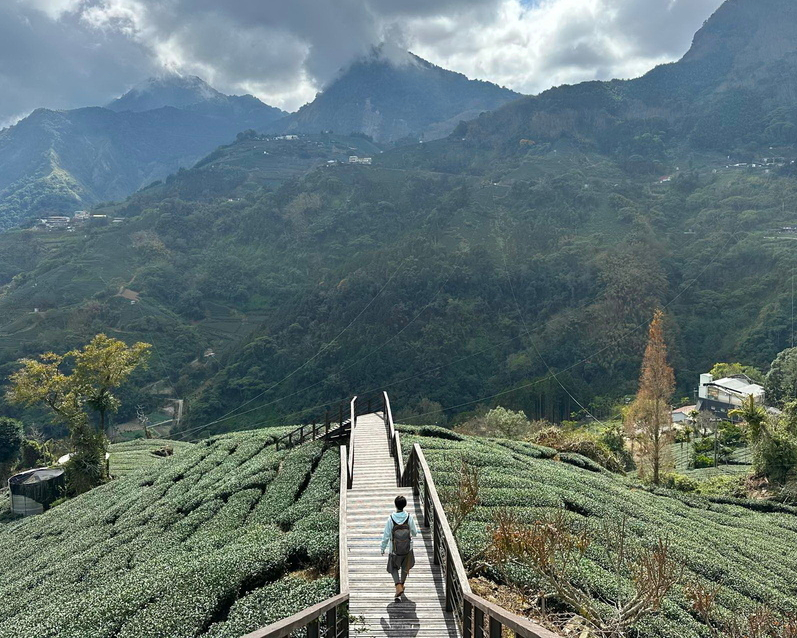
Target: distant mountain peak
column 170, row 89
column 392, row 94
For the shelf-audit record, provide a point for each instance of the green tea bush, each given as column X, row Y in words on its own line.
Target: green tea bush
column 745, row 547
column 188, row 546
column 681, row 482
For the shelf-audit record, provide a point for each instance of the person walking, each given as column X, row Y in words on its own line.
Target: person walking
column 399, row 530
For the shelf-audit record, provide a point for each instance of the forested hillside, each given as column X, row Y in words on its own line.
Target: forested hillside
column 453, row 273
column 54, row 162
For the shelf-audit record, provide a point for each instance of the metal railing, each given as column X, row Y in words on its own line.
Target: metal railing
column 478, row 618
column 329, row 618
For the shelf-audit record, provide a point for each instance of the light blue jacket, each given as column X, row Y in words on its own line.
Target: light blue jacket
column 398, row 518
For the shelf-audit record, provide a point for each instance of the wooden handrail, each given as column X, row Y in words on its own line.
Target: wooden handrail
column 315, row 430
column 477, row 617
column 303, row 619
column 394, row 441
column 343, row 529
column 332, row 611
column 353, row 417
column 492, row 612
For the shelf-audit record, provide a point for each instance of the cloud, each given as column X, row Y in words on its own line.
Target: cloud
column 67, row 53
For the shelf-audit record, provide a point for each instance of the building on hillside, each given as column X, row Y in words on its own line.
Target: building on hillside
column 55, row 221
column 720, row 396
column 683, row 415
column 287, row 137
column 81, row 216
column 353, row 159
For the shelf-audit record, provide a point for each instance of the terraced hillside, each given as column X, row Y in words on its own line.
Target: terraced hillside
column 131, row 456
column 219, row 540
column 749, row 552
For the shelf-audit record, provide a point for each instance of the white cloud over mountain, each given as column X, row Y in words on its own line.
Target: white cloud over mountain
column 68, row 53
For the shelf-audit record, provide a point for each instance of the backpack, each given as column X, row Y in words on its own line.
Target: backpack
column 401, row 537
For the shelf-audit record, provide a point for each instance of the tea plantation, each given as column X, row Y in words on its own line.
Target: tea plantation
column 749, row 551
column 126, row 458
column 227, row 536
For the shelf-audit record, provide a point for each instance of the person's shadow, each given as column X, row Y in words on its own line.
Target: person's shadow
column 402, row 619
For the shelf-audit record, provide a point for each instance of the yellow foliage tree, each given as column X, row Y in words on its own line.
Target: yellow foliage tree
column 70, row 385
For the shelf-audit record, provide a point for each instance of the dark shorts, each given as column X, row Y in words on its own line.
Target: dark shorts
column 405, row 562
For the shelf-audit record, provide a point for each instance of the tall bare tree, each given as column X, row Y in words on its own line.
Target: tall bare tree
column 649, row 416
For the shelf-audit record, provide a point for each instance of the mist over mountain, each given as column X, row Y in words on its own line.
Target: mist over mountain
column 168, row 90
column 391, row 99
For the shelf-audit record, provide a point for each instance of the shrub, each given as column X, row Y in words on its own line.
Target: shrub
column 499, row 422
column 680, row 482
column 579, row 442
column 701, row 460
column 776, row 456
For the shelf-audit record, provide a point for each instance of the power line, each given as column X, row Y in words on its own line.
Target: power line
column 600, row 351
column 323, row 349
column 594, row 354
column 347, row 367
column 534, row 344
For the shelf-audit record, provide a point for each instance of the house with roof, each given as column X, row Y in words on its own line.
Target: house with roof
column 683, row 415
column 721, row 396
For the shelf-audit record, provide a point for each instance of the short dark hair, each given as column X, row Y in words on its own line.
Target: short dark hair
column 401, row 503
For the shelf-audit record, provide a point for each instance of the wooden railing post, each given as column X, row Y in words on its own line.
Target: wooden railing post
column 312, row 629
column 450, row 580
column 467, row 620
column 332, row 622
column 495, row 628
column 425, row 505
column 478, row 623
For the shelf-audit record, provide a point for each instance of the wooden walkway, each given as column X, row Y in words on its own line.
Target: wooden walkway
column 421, row 611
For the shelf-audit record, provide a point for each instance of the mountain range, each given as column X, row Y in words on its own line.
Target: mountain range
column 57, row 161
column 517, row 260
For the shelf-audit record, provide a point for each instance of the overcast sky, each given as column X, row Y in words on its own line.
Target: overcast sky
column 70, row 53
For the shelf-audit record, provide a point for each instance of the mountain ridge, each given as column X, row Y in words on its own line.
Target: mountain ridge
column 391, row 100
column 56, row 161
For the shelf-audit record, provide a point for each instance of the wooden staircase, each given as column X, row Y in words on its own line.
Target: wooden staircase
column 438, row 601
column 421, row 611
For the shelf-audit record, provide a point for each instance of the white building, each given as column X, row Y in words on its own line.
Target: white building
column 720, row 396
column 353, row 159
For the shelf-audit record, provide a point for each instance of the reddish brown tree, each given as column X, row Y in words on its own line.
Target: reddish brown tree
column 649, row 417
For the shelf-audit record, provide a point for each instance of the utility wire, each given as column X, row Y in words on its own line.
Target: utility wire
column 534, row 344
column 323, row 349
column 594, row 354
column 347, row 367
